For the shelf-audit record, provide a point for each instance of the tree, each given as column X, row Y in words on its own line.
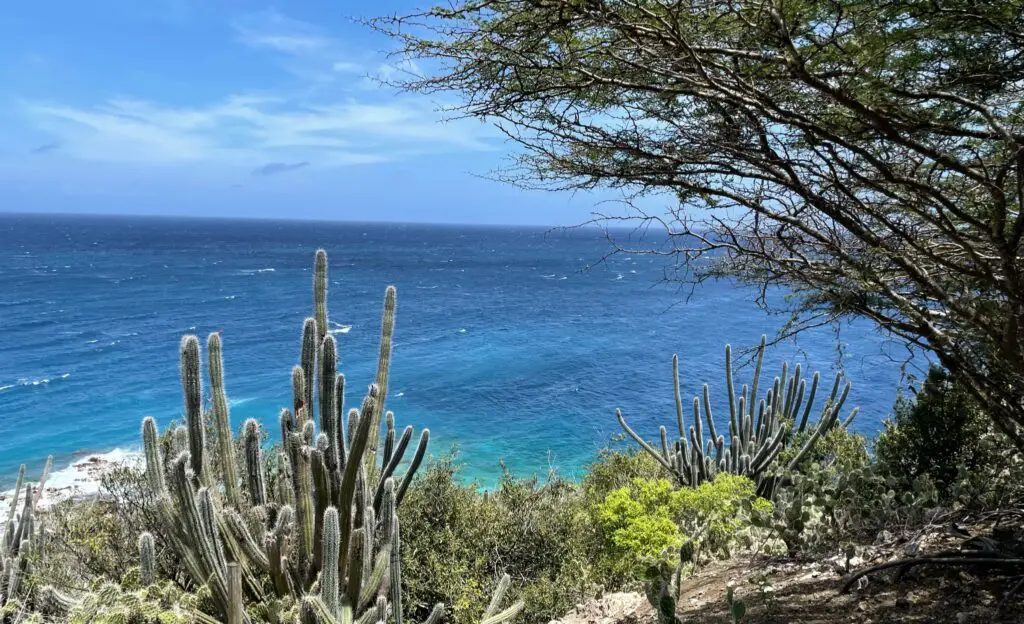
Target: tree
column 864, row 155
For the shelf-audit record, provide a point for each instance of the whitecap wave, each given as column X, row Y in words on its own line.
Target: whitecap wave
column 255, row 271
column 340, row 328
column 34, row 381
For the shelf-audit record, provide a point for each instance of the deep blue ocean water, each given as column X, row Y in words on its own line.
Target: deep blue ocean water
column 504, row 344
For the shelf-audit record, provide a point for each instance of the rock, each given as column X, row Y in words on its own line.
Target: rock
column 616, row 608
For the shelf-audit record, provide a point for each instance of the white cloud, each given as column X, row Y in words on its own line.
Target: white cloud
column 248, row 131
column 347, row 67
column 272, row 31
column 331, row 118
column 292, row 44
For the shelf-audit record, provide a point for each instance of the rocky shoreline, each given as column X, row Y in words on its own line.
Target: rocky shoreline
column 79, row 480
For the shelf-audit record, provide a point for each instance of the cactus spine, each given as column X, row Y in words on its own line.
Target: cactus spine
column 753, row 446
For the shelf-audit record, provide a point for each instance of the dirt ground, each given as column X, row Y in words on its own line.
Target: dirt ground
column 779, row 591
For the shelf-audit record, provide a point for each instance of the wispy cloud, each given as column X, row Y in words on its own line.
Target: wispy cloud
column 314, row 123
column 49, row 147
column 327, row 123
column 275, row 168
column 309, row 52
column 249, row 131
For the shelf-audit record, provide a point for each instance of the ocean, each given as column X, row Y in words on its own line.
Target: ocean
column 507, row 346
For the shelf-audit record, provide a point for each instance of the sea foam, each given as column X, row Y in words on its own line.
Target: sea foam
column 80, row 479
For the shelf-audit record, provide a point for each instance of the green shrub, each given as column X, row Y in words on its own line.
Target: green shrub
column 459, row 540
column 615, row 468
column 639, row 524
column 648, row 521
column 94, row 538
column 936, row 433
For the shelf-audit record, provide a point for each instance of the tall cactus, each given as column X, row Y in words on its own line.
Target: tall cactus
column 387, row 330
column 759, row 428
column 225, row 445
column 147, row 559
column 320, row 293
column 329, row 577
column 320, row 531
column 22, row 544
column 254, row 463
column 192, row 387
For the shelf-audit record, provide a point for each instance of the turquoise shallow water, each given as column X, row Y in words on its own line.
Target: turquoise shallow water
column 504, row 345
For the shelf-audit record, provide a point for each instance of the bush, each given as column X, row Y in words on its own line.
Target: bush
column 96, row 538
column 639, row 525
column 457, row 541
column 647, row 522
column 615, row 468
column 935, row 434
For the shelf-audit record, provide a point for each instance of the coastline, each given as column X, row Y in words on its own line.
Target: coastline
column 80, row 479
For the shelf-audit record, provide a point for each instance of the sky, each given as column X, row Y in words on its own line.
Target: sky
column 237, row 108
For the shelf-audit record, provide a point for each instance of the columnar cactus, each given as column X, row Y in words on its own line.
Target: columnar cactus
column 222, row 420
column 192, row 387
column 320, row 531
column 23, row 542
column 387, row 329
column 254, row 464
column 755, row 442
column 147, row 559
column 320, row 293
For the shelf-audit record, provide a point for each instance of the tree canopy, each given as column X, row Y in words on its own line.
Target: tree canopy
column 865, row 155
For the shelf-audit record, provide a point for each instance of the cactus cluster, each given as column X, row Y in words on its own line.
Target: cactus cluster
column 759, row 428
column 23, row 542
column 315, row 529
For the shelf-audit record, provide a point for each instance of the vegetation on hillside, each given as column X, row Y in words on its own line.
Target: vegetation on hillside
column 225, row 528
column 865, row 156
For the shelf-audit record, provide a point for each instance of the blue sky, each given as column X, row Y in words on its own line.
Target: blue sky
column 235, row 108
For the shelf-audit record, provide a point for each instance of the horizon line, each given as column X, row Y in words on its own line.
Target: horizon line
column 585, row 225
